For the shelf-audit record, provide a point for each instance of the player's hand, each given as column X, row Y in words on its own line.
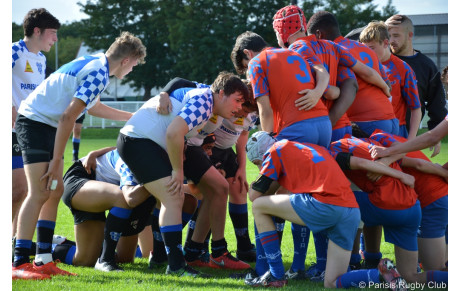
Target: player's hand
column 176, row 183
column 408, row 180
column 374, row 177
column 165, row 106
column 51, row 175
column 387, row 91
column 309, row 100
column 394, row 20
column 378, row 152
column 90, row 162
column 436, row 149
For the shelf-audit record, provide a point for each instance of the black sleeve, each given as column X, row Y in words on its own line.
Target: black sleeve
column 178, row 83
column 436, row 101
column 262, row 184
column 343, row 159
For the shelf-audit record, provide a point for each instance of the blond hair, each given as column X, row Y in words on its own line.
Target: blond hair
column 127, row 45
column 374, row 31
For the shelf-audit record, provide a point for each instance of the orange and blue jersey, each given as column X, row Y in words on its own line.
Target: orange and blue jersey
column 370, row 104
column 308, row 168
column 281, row 74
column 428, row 187
column 387, row 192
column 404, row 90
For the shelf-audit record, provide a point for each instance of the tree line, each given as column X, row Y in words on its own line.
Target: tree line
column 191, row 39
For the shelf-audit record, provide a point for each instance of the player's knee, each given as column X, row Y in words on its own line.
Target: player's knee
column 57, row 194
column 19, row 193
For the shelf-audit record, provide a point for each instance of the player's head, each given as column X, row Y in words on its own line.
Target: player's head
column 208, row 143
column 250, row 104
column 247, row 45
column 324, row 25
column 43, row 25
column 127, row 51
column 401, row 32
column 230, row 93
column 257, row 145
column 375, row 36
column 288, row 21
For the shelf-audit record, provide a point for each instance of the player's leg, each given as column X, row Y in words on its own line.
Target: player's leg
column 76, row 137
column 19, row 193
column 89, row 236
column 126, row 248
column 336, row 265
column 145, row 241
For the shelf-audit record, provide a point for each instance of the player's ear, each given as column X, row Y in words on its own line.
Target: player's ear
column 124, row 61
column 221, row 94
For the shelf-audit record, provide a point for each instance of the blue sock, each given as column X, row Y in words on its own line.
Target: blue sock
column 138, row 252
column 271, row 245
column 354, row 278
column 300, row 237
column 321, row 241
column 437, row 277
column 261, row 260
column 186, row 218
column 22, row 252
column 361, row 243
column 355, row 258
column 372, row 256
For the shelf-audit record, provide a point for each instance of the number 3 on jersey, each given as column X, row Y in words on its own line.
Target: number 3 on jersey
column 302, row 66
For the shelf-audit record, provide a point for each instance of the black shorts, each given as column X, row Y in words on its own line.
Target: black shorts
column 35, row 139
column 226, row 160
column 145, row 158
column 80, row 120
column 196, row 163
column 16, row 156
column 75, row 177
column 141, row 217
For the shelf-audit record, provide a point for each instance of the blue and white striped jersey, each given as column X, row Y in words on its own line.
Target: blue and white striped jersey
column 193, row 105
column 84, row 78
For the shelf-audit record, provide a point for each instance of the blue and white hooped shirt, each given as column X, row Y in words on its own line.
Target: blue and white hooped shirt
column 84, row 78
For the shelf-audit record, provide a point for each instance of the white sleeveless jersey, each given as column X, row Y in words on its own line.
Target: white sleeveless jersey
column 110, row 168
column 28, row 72
column 84, row 78
column 213, row 123
column 193, row 105
column 230, row 130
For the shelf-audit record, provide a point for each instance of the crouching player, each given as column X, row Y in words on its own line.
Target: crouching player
column 323, row 201
column 98, row 182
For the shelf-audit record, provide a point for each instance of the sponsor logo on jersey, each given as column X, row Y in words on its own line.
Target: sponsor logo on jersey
column 239, row 121
column 39, row 67
column 28, row 86
column 28, row 68
column 213, row 118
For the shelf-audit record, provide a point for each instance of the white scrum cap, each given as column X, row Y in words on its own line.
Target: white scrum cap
column 258, row 144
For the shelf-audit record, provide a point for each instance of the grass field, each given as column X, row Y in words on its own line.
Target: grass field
column 136, row 276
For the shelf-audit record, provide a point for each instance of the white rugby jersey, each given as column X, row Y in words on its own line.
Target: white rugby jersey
column 110, row 168
column 213, row 123
column 230, row 130
column 84, row 78
column 193, row 105
column 28, row 71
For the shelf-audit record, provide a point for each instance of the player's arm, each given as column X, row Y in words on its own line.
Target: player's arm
column 90, row 162
column 312, row 96
column 348, row 90
column 65, row 126
column 165, row 106
column 347, row 161
column 135, row 194
column 265, row 113
column 107, row 112
column 175, row 134
column 415, row 118
column 14, row 115
column 425, row 167
column 371, row 76
column 429, row 138
column 240, row 147
column 332, row 93
column 263, row 186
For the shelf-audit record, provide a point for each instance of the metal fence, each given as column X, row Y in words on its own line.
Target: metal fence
column 92, row 121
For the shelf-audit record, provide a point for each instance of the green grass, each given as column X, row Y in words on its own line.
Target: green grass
column 136, row 275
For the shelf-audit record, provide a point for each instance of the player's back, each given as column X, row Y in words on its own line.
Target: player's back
column 371, row 103
column 281, row 74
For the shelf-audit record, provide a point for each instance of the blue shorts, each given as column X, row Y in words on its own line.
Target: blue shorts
column 389, row 125
column 340, row 133
column 434, row 219
column 315, row 130
column 399, row 226
column 403, row 131
column 339, row 223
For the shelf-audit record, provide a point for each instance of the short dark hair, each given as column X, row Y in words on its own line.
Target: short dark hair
column 357, row 132
column 324, row 21
column 40, row 18
column 247, row 40
column 229, row 83
column 251, row 103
